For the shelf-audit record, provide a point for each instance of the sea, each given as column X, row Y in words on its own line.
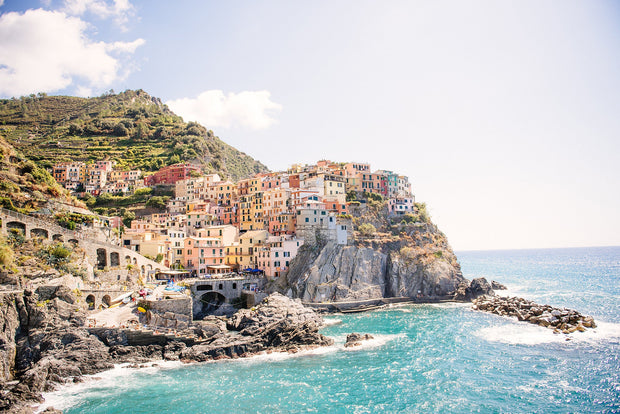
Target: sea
column 423, row 358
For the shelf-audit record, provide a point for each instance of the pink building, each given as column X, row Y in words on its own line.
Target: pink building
column 203, row 255
column 401, row 205
column 276, row 254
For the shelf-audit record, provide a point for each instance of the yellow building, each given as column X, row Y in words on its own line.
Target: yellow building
column 248, row 243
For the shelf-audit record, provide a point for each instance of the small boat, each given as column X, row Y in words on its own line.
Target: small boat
column 361, row 309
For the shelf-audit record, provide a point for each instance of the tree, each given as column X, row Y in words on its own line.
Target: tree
column 128, row 217
column 120, row 130
column 156, row 202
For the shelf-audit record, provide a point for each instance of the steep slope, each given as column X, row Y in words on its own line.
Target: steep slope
column 24, row 185
column 132, row 128
column 400, row 256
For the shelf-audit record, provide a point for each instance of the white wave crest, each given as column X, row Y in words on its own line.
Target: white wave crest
column 519, row 333
column 376, row 342
column 71, row 394
column 331, row 321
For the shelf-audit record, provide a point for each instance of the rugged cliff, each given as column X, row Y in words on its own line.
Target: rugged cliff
column 388, row 256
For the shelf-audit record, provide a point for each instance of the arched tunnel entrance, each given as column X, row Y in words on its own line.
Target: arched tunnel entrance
column 90, row 300
column 211, row 301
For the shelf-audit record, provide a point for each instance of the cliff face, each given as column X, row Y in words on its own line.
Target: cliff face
column 400, row 258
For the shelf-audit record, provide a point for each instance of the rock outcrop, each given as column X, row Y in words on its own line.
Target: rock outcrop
column 277, row 323
column 468, row 291
column 333, row 272
column 497, row 286
column 561, row 320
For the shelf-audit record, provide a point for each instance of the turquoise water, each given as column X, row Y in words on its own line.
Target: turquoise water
column 424, row 358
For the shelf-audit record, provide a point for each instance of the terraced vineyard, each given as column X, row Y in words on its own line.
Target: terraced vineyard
column 131, row 128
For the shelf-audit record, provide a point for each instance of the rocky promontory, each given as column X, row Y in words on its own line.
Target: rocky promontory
column 386, row 256
column 561, row 320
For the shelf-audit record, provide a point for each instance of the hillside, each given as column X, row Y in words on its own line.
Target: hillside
column 24, row 185
column 131, row 128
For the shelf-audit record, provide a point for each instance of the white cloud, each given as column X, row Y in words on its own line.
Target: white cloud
column 250, row 109
column 45, row 51
column 84, row 91
column 120, row 10
column 1, row 3
column 125, row 47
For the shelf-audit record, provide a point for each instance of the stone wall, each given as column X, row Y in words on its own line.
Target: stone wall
column 181, row 306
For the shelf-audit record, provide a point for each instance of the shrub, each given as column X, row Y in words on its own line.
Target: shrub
column 143, row 191
column 367, row 229
column 59, row 251
column 6, row 255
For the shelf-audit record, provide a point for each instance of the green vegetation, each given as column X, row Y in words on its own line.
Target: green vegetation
column 7, row 255
column 24, row 185
column 422, row 212
column 367, row 229
column 131, row 128
column 55, row 254
column 71, row 220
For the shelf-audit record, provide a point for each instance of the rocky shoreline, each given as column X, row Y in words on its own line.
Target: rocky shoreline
column 561, row 320
column 44, row 343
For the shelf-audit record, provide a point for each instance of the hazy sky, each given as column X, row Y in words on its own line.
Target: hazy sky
column 505, row 115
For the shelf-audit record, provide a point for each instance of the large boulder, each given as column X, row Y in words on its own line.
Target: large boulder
column 469, row 291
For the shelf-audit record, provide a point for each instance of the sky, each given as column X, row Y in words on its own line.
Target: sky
column 505, row 115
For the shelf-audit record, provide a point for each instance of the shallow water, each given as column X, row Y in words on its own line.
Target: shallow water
column 424, row 358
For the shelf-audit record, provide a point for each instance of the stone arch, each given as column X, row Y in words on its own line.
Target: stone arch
column 115, row 259
column 74, row 242
column 135, row 261
column 211, row 301
column 101, row 259
column 17, row 225
column 142, row 270
column 58, row 238
column 91, row 301
column 106, row 300
column 40, row 233
column 128, row 260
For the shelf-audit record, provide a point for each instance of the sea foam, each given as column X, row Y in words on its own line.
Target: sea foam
column 520, row 333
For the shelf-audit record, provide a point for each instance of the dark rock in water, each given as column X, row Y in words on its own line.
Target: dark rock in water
column 471, row 290
column 560, row 319
column 497, row 286
column 355, row 339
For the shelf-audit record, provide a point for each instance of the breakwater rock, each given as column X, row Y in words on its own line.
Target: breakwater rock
column 562, row 320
